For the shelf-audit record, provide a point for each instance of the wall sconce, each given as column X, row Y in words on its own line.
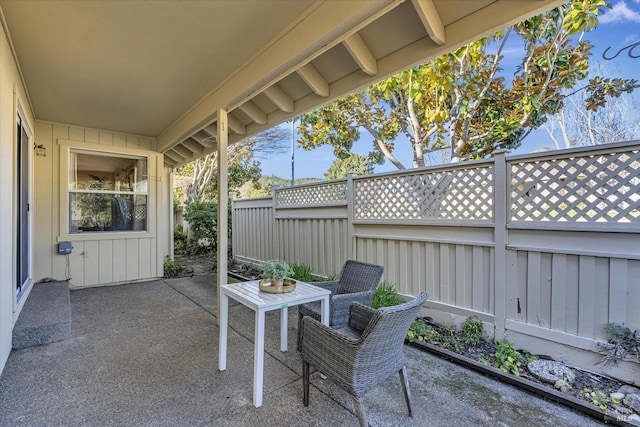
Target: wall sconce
column 41, row 150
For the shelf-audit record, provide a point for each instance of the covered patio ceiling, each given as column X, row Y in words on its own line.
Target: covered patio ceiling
column 164, row 68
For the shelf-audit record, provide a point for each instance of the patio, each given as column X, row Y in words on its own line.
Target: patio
column 146, row 354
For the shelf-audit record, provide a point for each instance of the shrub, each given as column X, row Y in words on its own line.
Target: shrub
column 508, row 359
column 180, row 240
column 472, row 329
column 172, row 268
column 386, row 295
column 201, row 216
column 302, row 272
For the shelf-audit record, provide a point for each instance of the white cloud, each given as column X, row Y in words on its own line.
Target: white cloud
column 621, row 13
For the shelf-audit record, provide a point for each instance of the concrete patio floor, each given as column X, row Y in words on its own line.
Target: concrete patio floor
column 147, row 354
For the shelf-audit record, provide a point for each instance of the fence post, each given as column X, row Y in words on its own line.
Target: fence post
column 501, row 187
column 351, row 238
column 276, row 235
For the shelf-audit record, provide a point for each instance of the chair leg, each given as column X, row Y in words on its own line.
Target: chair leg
column 305, row 383
column 299, row 343
column 362, row 417
column 404, row 379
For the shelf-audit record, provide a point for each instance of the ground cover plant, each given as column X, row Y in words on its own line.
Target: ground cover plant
column 469, row 341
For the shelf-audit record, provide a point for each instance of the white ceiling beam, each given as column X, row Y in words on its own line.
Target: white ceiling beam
column 207, row 141
column 193, row 145
column 279, row 98
column 236, row 125
column 168, row 160
column 174, row 156
column 431, row 20
column 361, row 54
column 254, row 112
column 183, row 151
column 314, row 79
column 211, row 130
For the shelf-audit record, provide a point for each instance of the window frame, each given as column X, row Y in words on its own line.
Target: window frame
column 66, row 148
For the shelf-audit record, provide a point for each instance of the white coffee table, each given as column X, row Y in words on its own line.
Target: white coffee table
column 248, row 294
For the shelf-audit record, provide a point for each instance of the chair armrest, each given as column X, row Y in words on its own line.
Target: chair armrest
column 330, row 285
column 340, row 306
column 360, row 316
column 326, row 348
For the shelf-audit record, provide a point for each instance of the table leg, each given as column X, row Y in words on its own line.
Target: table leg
column 284, row 324
column 224, row 323
column 324, row 310
column 258, row 359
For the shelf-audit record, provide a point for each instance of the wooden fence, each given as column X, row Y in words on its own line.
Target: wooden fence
column 544, row 248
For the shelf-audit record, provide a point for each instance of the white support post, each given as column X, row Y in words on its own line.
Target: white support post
column 258, row 358
column 275, row 245
column 171, row 216
column 223, row 201
column 351, row 239
column 500, row 209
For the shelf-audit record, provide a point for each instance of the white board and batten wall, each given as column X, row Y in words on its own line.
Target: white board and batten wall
column 105, row 257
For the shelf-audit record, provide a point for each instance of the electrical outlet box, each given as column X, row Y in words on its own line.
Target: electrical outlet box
column 64, row 248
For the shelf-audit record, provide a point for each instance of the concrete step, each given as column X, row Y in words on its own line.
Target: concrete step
column 45, row 317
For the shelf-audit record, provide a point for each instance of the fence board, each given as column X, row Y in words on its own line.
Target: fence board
column 416, row 283
column 558, row 292
column 618, row 293
column 478, row 284
column 533, row 288
column 586, row 296
column 431, row 263
column 633, row 300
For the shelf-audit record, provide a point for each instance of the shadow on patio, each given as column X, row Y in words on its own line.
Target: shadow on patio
column 147, row 354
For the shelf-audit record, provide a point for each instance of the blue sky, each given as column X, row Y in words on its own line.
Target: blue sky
column 619, row 27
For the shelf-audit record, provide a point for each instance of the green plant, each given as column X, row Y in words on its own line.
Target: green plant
column 332, row 277
column 622, row 343
column 472, row 329
column 201, row 216
column 386, row 295
column 448, row 337
column 172, row 268
column 276, row 269
column 507, row 358
column 418, row 331
column 302, row 272
column 180, row 239
column 484, row 361
column 598, row 398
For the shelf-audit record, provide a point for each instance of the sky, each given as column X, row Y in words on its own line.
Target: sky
column 618, row 31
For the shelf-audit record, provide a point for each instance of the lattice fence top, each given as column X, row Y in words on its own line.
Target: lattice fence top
column 312, row 195
column 596, row 188
column 465, row 194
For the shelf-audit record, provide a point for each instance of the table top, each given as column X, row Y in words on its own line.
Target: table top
column 249, row 294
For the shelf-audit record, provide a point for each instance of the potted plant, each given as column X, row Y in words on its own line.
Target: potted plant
column 276, row 270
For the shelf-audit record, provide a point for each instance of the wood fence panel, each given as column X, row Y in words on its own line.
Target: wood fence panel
column 545, row 245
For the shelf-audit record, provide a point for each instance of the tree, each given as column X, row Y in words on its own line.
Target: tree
column 354, row 163
column 574, row 125
column 461, row 102
column 241, row 164
column 264, row 186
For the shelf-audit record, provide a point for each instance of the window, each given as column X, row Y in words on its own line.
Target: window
column 107, row 192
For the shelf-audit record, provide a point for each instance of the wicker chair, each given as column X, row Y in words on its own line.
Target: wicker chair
column 357, row 283
column 362, row 354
